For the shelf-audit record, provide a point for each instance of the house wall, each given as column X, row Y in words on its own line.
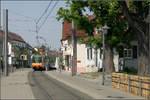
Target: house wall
column 116, row 60
column 90, row 63
column 100, row 58
column 66, row 51
column 81, row 57
column 83, row 64
column 1, row 45
column 9, row 53
column 129, row 62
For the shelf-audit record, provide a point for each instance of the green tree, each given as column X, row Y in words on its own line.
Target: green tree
column 137, row 14
column 105, row 12
column 125, row 19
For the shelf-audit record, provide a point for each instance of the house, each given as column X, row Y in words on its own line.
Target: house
column 15, row 44
column 56, row 53
column 1, row 43
column 128, row 58
column 88, row 59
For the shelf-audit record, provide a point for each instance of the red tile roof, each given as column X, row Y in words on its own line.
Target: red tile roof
column 1, row 33
column 67, row 30
column 13, row 36
column 56, row 53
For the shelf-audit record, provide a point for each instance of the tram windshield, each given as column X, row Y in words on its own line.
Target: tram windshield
column 37, row 59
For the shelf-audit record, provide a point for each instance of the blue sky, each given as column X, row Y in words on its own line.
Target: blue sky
column 22, row 16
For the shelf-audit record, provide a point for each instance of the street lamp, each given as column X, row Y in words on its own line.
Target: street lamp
column 104, row 31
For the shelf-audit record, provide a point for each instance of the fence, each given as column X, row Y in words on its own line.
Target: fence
column 138, row 85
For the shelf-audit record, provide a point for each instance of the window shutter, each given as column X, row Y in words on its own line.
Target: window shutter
column 91, row 53
column 87, row 53
column 134, row 52
column 121, row 52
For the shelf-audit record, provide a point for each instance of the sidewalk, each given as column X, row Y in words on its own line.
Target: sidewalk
column 89, row 87
column 16, row 86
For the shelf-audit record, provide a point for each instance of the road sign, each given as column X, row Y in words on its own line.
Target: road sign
column 25, row 57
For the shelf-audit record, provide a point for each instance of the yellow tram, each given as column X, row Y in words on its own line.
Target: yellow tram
column 38, row 62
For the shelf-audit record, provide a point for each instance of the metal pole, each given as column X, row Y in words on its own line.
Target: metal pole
column 0, row 14
column 36, row 34
column 37, row 37
column 74, row 50
column 103, row 59
column 6, row 41
column 149, row 46
column 149, row 40
column 22, row 65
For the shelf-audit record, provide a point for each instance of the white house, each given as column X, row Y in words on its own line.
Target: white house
column 14, row 41
column 90, row 59
column 128, row 58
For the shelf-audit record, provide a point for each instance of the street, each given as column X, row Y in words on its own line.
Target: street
column 45, row 87
column 75, row 49
column 53, row 85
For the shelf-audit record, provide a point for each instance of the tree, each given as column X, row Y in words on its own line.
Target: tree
column 139, row 22
column 105, row 12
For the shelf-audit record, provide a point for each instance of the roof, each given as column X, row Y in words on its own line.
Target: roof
column 1, row 33
column 12, row 36
column 56, row 53
column 67, row 30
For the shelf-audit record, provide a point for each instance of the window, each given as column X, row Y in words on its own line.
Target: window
column 100, row 54
column 37, row 59
column 121, row 52
column 128, row 53
column 135, row 52
column 65, row 48
column 89, row 53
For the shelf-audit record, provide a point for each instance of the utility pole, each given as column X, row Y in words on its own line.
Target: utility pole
column 74, row 65
column 149, row 46
column 37, row 37
column 36, row 34
column 6, row 42
column 103, row 59
column 104, row 31
column 0, row 15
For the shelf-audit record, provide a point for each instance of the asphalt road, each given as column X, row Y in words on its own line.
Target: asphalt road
column 45, row 87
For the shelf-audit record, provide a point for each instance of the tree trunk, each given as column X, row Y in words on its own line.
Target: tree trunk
column 109, row 64
column 143, row 52
column 141, row 28
column 143, row 67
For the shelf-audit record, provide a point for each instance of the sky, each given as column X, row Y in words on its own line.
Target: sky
column 22, row 16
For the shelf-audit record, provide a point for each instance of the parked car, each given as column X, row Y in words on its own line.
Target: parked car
column 51, row 67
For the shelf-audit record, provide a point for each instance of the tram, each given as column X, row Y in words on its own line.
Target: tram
column 38, row 62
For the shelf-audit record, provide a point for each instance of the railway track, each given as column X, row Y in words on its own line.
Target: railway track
column 45, row 87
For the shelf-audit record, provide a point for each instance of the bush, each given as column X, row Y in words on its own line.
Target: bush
column 131, row 70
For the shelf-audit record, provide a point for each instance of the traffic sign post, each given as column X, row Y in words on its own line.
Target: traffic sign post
column 22, row 56
column 6, row 41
